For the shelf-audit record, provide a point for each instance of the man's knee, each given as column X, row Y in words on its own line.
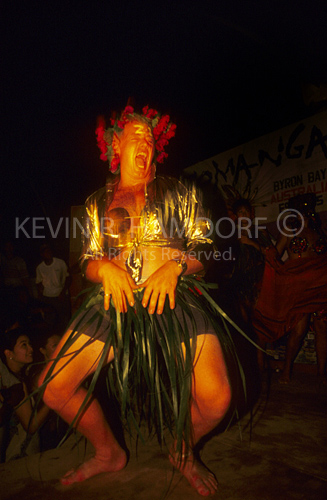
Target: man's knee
column 50, row 398
column 55, row 391
column 215, row 399
column 223, row 398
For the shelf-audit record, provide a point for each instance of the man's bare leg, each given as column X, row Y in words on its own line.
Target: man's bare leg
column 65, row 395
column 211, row 399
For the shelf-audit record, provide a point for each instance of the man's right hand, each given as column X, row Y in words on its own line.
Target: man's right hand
column 117, row 284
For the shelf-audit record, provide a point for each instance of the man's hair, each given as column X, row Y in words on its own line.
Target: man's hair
column 161, row 126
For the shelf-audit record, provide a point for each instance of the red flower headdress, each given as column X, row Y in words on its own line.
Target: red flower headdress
column 162, row 129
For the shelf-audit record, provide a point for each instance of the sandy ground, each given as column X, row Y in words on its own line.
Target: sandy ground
column 278, row 453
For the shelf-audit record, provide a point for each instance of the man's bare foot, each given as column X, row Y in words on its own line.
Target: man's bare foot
column 199, row 477
column 93, row 467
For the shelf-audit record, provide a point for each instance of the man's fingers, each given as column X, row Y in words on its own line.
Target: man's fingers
column 119, row 290
column 172, row 298
column 162, row 298
column 153, row 302
column 146, row 296
column 119, row 302
column 106, row 301
column 129, row 291
column 161, row 303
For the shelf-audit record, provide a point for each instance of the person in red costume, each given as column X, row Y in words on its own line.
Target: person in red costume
column 294, row 290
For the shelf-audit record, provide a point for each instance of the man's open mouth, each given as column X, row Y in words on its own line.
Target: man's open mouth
column 141, row 160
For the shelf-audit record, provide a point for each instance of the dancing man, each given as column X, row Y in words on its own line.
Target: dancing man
column 146, row 248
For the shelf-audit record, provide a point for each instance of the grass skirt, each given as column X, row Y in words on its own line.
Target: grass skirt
column 150, row 376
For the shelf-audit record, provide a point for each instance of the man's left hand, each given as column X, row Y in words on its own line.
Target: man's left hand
column 161, row 283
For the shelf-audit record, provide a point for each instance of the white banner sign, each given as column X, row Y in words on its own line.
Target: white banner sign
column 276, row 167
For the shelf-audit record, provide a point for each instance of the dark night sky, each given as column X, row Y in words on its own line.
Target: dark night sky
column 227, row 72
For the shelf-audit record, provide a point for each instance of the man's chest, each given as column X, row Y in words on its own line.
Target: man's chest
column 133, row 202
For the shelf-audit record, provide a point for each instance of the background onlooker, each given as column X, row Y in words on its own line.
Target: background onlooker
column 249, row 266
column 53, row 281
column 20, row 421
column 296, row 288
column 13, row 268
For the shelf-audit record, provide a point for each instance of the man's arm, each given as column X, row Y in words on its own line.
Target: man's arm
column 189, row 213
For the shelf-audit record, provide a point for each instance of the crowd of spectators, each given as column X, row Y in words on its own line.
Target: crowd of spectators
column 35, row 308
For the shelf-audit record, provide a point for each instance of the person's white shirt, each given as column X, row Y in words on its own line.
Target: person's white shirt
column 52, row 277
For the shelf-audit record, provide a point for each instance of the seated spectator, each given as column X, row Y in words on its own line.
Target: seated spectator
column 49, row 345
column 20, row 421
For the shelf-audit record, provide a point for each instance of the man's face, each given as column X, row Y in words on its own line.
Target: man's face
column 46, row 253
column 136, row 152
